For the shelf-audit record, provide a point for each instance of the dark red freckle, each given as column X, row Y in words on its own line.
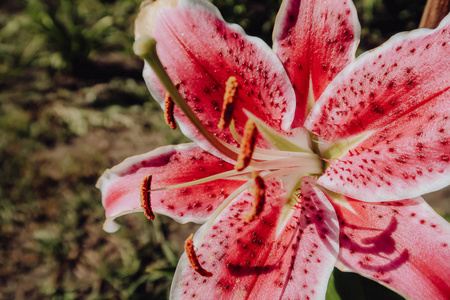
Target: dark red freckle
column 420, row 155
column 305, row 271
column 444, row 43
column 391, row 149
column 171, row 207
column 410, row 83
column 389, row 170
column 445, row 158
column 181, row 214
column 390, row 84
column 441, row 130
column 380, row 216
column 427, row 46
column 444, row 245
column 422, row 221
column 402, row 159
column 209, row 208
column 377, row 153
column 433, row 226
column 412, row 50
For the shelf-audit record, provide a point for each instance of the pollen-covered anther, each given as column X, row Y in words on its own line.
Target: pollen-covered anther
column 231, row 88
column 259, row 198
column 247, row 145
column 168, row 109
column 145, row 197
column 190, row 252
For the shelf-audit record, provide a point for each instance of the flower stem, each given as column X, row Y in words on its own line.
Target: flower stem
column 145, row 47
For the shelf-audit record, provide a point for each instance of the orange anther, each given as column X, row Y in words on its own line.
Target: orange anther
column 189, row 248
column 247, row 145
column 259, row 198
column 168, row 110
column 145, row 197
column 228, row 102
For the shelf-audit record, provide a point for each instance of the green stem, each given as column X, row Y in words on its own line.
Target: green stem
column 145, row 47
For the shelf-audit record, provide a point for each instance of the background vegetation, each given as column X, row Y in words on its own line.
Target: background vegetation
column 72, row 104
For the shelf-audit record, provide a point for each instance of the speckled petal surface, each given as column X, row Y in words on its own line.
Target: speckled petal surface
column 305, row 253
column 201, row 51
column 382, row 85
column 249, row 261
column 406, row 159
column 170, row 165
column 315, row 40
column 404, row 245
column 235, row 251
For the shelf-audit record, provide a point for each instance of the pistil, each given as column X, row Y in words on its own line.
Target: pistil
column 192, row 256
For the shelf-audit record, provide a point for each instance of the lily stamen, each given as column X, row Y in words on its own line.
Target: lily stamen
column 259, row 198
column 168, row 110
column 145, row 197
column 247, row 146
column 231, row 87
column 192, row 256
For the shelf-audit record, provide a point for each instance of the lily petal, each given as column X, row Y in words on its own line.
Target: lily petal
column 235, row 251
column 251, row 262
column 200, row 51
column 401, row 244
column 315, row 40
column 305, row 253
column 169, row 165
column 409, row 158
column 382, row 85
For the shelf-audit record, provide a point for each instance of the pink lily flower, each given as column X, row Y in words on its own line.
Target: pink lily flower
column 277, row 219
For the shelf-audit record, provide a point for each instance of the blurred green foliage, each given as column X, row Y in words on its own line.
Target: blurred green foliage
column 73, row 104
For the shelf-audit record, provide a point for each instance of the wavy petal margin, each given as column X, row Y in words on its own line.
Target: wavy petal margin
column 169, row 165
